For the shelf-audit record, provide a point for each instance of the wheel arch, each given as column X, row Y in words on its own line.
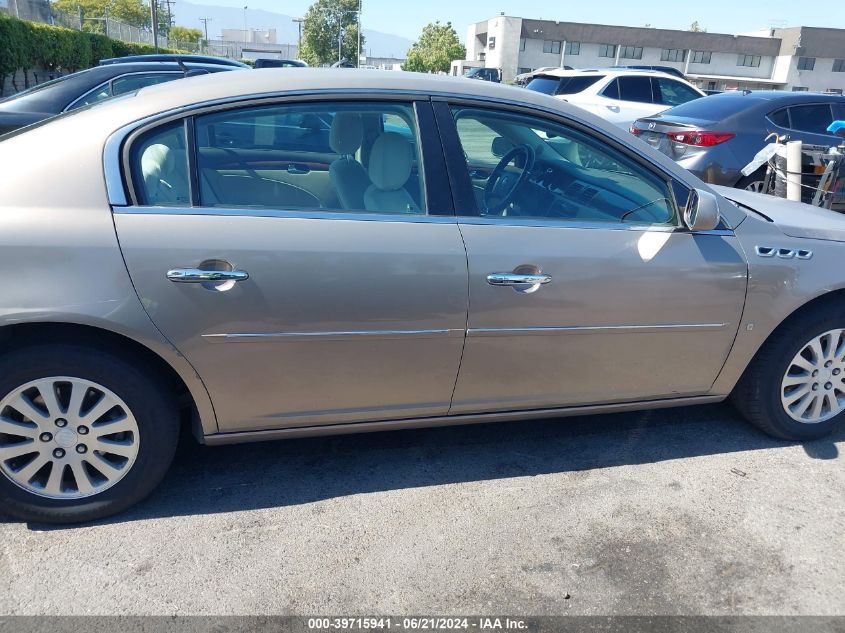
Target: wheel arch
column 193, row 398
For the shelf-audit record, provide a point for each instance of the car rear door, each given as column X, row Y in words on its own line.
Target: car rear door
column 293, row 311
column 586, row 289
column 627, row 99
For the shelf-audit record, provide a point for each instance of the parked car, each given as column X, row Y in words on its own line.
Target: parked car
column 616, row 95
column 185, row 254
column 485, row 74
column 91, row 86
column 669, row 70
column 716, row 137
column 178, row 57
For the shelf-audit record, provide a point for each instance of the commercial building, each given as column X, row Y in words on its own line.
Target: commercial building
column 798, row 58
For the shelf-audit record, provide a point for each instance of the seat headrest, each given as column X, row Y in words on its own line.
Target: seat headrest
column 390, row 161
column 347, row 133
column 155, row 161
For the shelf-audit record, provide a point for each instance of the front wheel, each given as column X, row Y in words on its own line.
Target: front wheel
column 795, row 387
column 83, row 433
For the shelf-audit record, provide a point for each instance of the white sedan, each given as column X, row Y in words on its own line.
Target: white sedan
column 620, row 96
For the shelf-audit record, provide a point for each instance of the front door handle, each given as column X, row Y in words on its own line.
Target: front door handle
column 199, row 276
column 516, row 279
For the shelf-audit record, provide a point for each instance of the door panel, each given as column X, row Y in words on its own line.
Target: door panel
column 339, row 321
column 628, row 315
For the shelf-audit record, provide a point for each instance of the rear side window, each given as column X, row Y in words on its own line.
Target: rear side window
column 636, row 89
column 814, row 119
column 160, row 167
column 672, row 93
column 546, row 85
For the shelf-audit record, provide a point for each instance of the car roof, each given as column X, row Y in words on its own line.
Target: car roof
column 560, row 72
column 771, row 95
column 171, row 57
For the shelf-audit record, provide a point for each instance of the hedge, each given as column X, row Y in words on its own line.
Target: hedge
column 26, row 45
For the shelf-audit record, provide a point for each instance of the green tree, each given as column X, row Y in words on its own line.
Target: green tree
column 184, row 35
column 695, row 27
column 327, row 23
column 436, row 48
column 133, row 12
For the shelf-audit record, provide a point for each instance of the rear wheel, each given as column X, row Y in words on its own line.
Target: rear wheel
column 83, row 433
column 795, row 387
column 755, row 182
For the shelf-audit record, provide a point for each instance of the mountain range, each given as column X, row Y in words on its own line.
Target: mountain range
column 377, row 44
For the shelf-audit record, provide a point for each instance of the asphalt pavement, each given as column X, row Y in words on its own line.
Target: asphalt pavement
column 686, row 511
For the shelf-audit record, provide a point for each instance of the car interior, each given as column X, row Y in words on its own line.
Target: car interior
column 355, row 157
column 528, row 168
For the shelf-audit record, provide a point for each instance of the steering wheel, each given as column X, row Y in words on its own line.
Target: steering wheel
column 502, row 185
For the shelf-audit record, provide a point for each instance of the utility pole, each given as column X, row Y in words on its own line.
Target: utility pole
column 205, row 22
column 154, row 21
column 358, row 61
column 246, row 33
column 299, row 22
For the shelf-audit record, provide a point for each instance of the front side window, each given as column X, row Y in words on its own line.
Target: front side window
column 524, row 167
column 123, row 85
column 607, row 50
column 673, row 93
column 326, row 156
column 631, row 52
column 815, row 118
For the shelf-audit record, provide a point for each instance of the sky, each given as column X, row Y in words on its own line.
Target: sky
column 407, row 17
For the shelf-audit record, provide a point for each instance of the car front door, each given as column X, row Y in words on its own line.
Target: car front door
column 294, row 308
column 583, row 286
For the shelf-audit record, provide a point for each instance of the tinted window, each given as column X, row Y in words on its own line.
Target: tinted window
column 347, row 157
column 546, row 85
column 612, row 90
column 839, row 111
column 635, row 89
column 160, row 168
column 575, row 177
column 780, row 118
column 811, row 118
column 123, row 85
column 673, row 93
column 574, row 85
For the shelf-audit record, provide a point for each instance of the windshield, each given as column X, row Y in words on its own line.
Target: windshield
column 714, row 107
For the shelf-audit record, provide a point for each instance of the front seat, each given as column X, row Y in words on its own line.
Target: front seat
column 348, row 175
column 391, row 160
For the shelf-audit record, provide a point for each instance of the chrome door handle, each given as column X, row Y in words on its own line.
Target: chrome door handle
column 515, row 279
column 198, row 276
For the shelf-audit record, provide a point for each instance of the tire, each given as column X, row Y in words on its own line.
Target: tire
column 753, row 182
column 145, row 406
column 758, row 395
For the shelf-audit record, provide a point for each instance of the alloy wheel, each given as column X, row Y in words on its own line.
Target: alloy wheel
column 813, row 387
column 66, row 438
column 757, row 186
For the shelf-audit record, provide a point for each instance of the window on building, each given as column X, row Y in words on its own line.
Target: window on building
column 800, row 89
column 491, row 43
column 701, row 57
column 673, row 55
column 631, row 52
column 607, row 50
column 752, row 61
column 550, row 46
column 839, row 65
column 573, row 48
column 523, row 70
column 835, row 91
column 806, row 63
column 521, row 44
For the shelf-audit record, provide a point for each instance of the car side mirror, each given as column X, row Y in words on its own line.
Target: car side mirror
column 702, row 211
column 500, row 146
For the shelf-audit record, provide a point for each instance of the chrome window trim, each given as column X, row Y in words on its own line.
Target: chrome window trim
column 294, row 214
column 111, row 81
column 579, row 224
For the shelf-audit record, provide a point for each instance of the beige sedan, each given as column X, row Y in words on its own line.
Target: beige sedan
column 283, row 253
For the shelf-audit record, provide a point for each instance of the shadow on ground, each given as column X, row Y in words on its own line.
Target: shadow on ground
column 251, row 476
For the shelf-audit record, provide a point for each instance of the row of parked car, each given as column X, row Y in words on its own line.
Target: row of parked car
column 713, row 137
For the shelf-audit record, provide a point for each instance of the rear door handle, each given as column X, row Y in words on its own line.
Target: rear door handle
column 515, row 279
column 198, row 276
